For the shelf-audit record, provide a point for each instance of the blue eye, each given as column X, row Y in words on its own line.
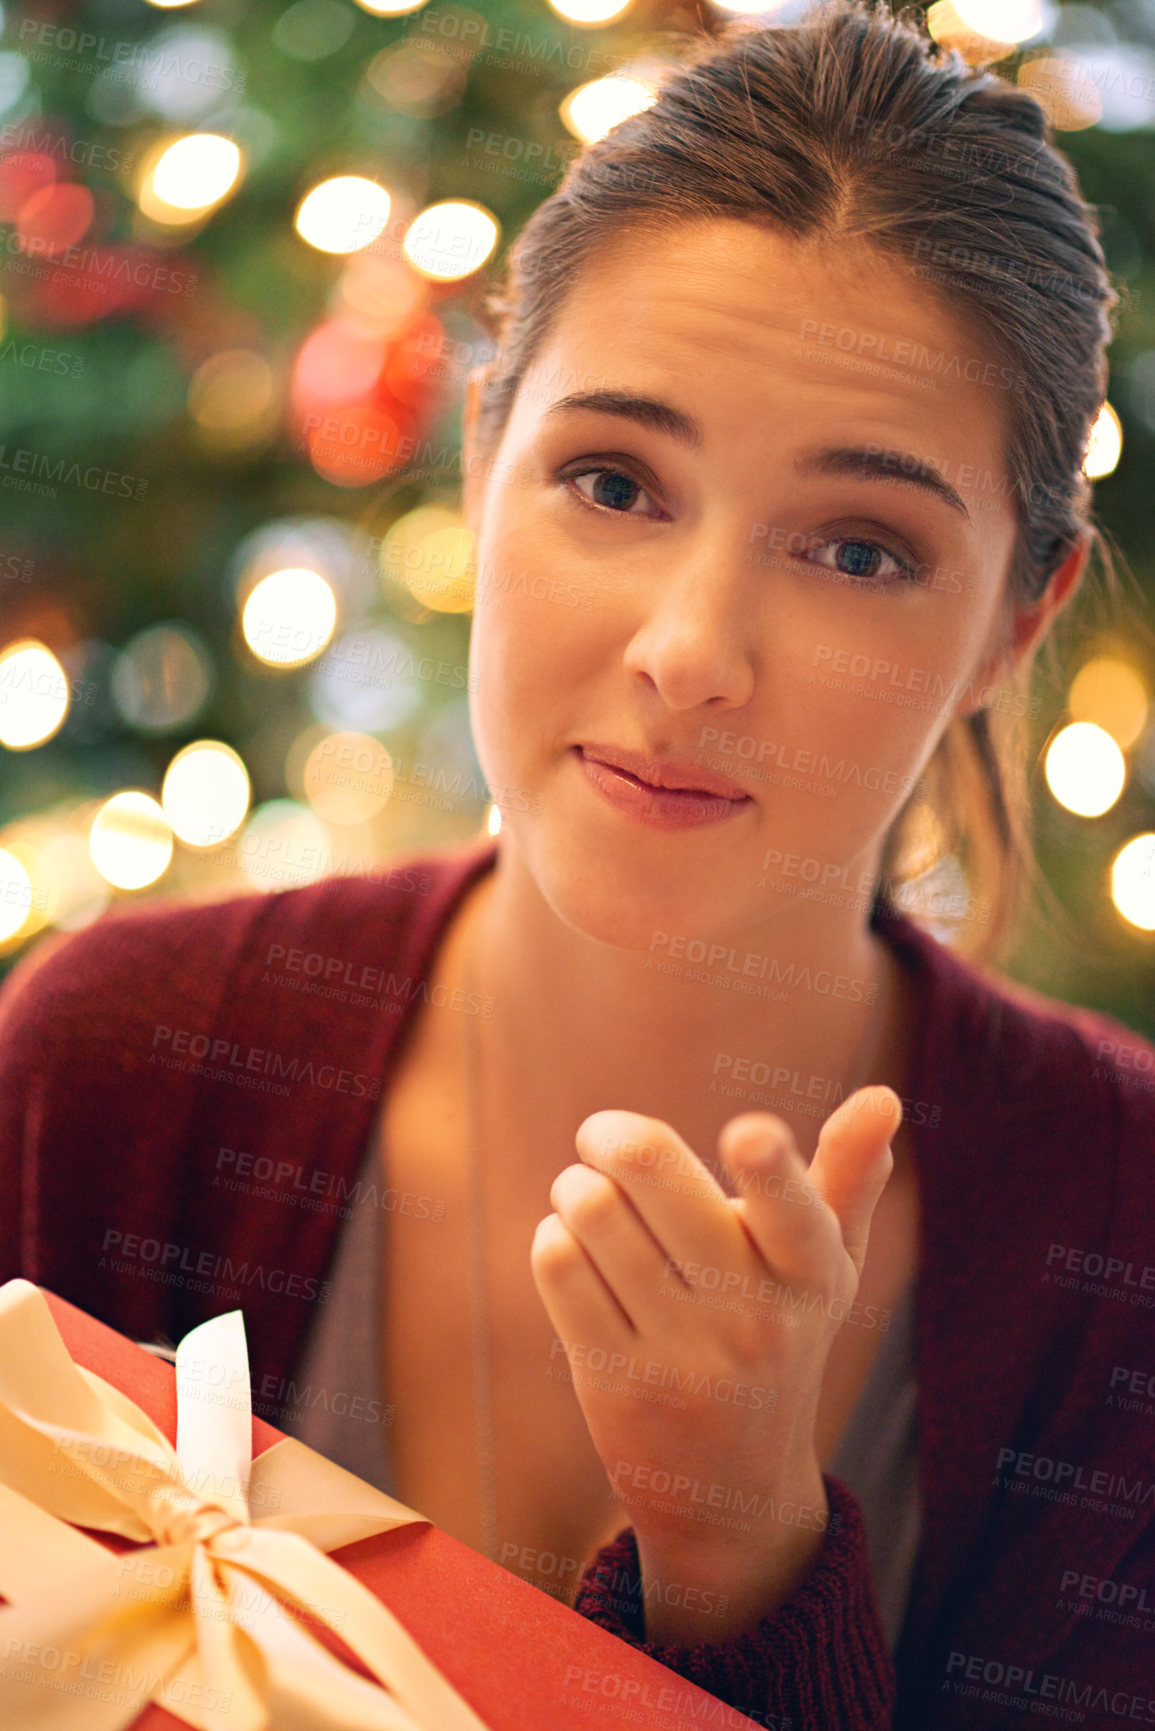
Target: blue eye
column 618, row 491
column 862, row 560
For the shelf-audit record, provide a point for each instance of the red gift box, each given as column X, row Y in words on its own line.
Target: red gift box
column 520, row 1659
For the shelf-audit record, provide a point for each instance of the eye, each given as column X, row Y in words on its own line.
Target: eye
column 611, row 490
column 859, row 559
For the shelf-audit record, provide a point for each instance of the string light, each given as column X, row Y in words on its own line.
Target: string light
column 343, row 214
column 589, row 11
column 391, row 8
column 15, row 895
column 1111, row 694
column 289, row 617
column 190, row 178
column 1105, row 445
column 450, row 240
column 595, row 108
column 206, row 793
column 130, row 841
column 33, row 695
column 1133, row 881
column 1085, row 769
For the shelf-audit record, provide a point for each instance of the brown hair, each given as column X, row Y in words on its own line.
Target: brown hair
column 851, row 124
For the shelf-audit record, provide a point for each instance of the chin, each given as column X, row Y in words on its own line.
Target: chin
column 615, row 900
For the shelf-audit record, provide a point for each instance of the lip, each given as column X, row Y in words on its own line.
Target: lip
column 665, row 773
column 661, row 792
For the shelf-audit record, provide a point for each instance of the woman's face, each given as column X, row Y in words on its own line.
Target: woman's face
column 781, row 582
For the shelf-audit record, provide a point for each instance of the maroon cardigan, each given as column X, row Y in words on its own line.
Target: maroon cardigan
column 1034, row 1137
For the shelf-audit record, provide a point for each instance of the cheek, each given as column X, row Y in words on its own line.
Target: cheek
column 524, row 663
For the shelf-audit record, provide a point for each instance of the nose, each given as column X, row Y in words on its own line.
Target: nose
column 696, row 644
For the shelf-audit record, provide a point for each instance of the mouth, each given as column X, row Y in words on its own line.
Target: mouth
column 665, row 775
column 660, row 792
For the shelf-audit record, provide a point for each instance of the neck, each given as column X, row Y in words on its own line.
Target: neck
column 791, row 1017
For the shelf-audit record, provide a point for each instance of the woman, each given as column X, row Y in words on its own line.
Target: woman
column 776, row 482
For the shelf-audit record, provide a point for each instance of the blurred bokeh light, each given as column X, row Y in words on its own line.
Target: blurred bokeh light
column 289, row 617
column 34, row 695
column 343, row 214
column 206, row 793
column 348, row 778
column 131, row 840
column 450, row 240
column 1112, row 695
column 189, row 178
column 595, row 108
column 162, row 678
column 1105, row 445
column 1085, row 769
column 1133, row 881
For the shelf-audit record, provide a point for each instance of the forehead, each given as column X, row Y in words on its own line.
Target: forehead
column 751, row 330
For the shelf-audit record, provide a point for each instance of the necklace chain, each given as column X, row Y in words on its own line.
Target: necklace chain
column 864, row 1056
column 479, row 1309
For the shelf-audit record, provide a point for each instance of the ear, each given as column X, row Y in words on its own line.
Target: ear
column 472, row 461
column 1030, row 624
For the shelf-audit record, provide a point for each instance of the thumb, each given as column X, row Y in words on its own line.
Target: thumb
column 854, row 1161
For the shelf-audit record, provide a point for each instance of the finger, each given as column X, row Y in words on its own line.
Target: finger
column 632, row 1263
column 577, row 1300
column 681, row 1203
column 854, row 1161
column 783, row 1213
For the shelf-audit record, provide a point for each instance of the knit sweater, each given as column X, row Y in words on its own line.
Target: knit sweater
column 143, row 1056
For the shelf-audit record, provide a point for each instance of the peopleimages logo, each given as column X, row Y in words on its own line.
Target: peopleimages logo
column 222, row 1055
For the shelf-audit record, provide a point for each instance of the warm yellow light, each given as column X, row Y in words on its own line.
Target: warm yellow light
column 232, row 398
column 15, row 895
column 1060, row 85
column 1111, row 694
column 595, row 108
column 76, row 892
column 1133, row 881
column 379, row 294
column 1002, row 20
column 1105, row 446
column 589, row 11
column 189, row 178
column 978, row 46
column 450, row 240
column 493, row 821
column 348, row 778
column 284, row 845
column 206, row 793
column 343, row 214
column 391, row 8
column 1085, row 769
column 33, row 695
column 431, row 551
column 170, row 5
column 130, row 841
column 289, row 617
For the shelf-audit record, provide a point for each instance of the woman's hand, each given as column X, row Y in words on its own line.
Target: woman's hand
column 697, row 1327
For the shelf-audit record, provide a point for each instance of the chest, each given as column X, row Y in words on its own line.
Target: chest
column 548, row 1491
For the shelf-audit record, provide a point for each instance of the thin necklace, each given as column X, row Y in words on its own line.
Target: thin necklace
column 864, row 1056
column 479, row 1310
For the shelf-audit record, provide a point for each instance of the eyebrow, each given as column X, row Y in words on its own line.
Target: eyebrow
column 870, row 463
column 647, row 411
column 866, row 462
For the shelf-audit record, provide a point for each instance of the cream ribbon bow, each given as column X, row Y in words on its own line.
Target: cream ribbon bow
column 196, row 1621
